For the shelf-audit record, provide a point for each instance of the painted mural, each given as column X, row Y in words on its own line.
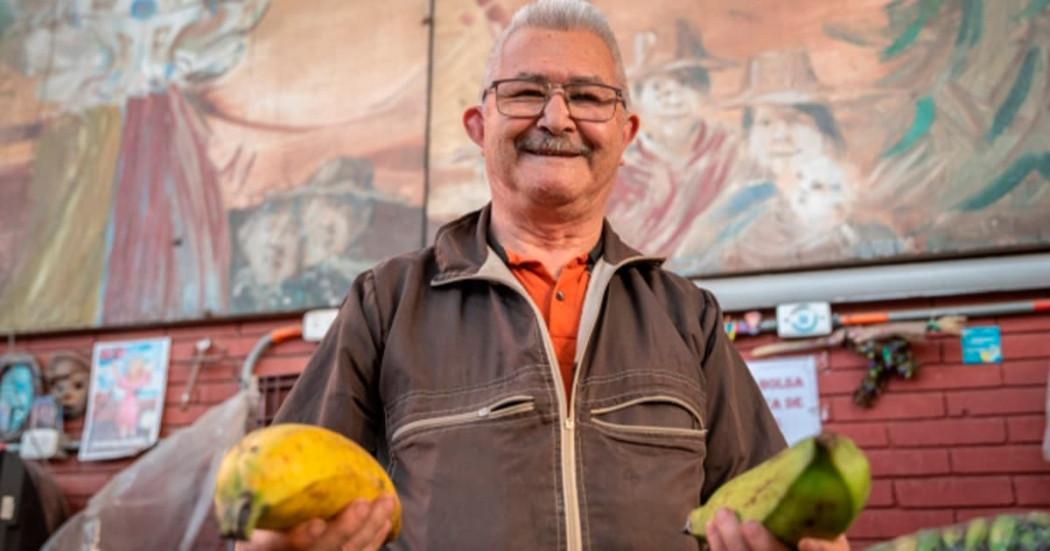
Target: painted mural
column 792, row 135
column 178, row 159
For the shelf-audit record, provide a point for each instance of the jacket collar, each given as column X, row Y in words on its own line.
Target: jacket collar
column 461, row 246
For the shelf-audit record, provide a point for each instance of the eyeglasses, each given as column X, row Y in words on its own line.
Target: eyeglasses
column 524, row 98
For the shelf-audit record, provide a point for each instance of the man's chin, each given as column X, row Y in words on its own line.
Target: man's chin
column 553, row 168
column 555, row 193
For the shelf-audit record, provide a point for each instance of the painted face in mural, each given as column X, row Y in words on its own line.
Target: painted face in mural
column 270, row 241
column 665, row 95
column 781, row 134
column 329, row 228
column 820, row 194
column 788, row 140
column 68, row 380
column 519, row 166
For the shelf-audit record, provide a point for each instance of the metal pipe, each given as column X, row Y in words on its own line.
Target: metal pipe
column 868, row 318
column 975, row 310
column 276, row 336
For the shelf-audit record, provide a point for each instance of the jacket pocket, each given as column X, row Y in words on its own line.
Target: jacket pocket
column 654, row 441
column 503, row 407
column 651, row 420
column 439, row 473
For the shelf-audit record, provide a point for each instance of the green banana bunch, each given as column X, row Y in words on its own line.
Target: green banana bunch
column 812, row 489
column 1006, row 532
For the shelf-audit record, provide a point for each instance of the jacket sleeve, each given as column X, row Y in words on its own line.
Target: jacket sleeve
column 741, row 432
column 338, row 389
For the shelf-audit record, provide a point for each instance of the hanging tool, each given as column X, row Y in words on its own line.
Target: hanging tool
column 201, row 348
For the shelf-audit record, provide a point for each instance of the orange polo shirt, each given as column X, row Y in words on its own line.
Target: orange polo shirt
column 560, row 301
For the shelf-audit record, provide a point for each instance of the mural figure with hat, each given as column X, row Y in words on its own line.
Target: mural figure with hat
column 797, row 202
column 306, row 245
column 680, row 160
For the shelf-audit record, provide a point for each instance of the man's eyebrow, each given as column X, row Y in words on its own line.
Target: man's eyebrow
column 587, row 79
column 584, row 79
column 530, row 76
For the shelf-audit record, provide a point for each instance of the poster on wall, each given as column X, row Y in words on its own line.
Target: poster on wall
column 789, row 386
column 126, row 399
column 19, row 384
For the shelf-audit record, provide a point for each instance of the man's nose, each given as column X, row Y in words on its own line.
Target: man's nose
column 555, row 116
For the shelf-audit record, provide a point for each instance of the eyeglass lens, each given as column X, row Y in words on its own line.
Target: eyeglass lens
column 527, row 98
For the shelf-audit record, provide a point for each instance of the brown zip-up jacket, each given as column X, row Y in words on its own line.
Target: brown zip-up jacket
column 441, row 365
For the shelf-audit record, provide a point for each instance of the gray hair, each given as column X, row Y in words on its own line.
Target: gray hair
column 559, row 15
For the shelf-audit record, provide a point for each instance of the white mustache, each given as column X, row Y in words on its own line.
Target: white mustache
column 552, row 145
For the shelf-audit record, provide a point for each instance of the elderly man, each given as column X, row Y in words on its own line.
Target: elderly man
column 530, row 381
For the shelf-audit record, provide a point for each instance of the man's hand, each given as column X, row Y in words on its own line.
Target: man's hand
column 361, row 526
column 726, row 533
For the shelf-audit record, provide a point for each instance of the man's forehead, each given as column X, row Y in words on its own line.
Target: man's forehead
column 575, row 55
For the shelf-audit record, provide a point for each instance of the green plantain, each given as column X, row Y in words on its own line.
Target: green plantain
column 909, row 543
column 976, row 534
column 812, row 489
column 1005, row 532
column 952, row 537
column 1002, row 532
column 928, row 540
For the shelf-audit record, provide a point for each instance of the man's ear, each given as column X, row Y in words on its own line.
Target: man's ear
column 630, row 128
column 474, row 124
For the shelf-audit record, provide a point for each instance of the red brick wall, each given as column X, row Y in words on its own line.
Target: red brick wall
column 216, row 381
column 956, row 442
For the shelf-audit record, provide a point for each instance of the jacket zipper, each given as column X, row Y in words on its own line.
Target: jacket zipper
column 502, row 408
column 654, row 398
column 494, row 270
column 567, row 407
column 649, row 429
column 567, row 436
column 588, row 320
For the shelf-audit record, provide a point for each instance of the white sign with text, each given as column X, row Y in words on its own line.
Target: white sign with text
column 789, row 386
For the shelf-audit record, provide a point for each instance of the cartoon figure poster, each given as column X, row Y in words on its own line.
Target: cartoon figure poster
column 126, row 400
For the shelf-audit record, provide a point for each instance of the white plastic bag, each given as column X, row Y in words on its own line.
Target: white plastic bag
column 163, row 500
